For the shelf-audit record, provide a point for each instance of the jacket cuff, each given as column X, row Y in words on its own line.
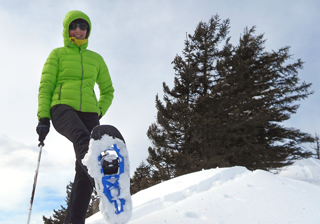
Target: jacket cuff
column 45, row 121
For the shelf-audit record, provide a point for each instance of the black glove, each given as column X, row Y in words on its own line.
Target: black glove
column 43, row 129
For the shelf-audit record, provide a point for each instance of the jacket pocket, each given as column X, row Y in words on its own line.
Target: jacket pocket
column 95, row 97
column 60, row 92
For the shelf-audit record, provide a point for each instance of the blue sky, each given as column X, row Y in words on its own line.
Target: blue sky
column 138, row 40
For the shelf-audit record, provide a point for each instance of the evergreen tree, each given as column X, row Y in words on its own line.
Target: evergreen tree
column 60, row 214
column 142, row 178
column 253, row 93
column 174, row 152
column 316, row 147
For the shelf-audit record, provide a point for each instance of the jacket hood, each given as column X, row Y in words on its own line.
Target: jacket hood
column 72, row 15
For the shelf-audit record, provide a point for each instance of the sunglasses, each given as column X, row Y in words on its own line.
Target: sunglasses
column 74, row 26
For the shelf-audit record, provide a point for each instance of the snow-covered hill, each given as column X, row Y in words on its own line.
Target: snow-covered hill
column 232, row 196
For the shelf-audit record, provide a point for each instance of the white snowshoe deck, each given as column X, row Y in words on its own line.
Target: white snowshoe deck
column 108, row 163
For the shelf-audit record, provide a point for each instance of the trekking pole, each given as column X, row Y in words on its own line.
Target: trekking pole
column 35, row 182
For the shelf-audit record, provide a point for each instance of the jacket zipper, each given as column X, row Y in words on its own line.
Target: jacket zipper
column 81, row 79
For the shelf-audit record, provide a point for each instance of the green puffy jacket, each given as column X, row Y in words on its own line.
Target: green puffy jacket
column 70, row 73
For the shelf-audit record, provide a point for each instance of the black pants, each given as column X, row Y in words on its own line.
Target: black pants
column 76, row 126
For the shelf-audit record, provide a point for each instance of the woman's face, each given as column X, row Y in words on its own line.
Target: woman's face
column 78, row 33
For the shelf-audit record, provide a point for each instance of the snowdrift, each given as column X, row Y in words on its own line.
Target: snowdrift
column 231, row 195
column 306, row 170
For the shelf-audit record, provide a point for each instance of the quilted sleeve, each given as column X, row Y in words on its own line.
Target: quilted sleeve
column 106, row 89
column 47, row 84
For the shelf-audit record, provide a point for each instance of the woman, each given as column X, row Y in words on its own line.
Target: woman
column 66, row 96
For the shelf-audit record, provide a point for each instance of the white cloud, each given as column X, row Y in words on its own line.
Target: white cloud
column 17, row 169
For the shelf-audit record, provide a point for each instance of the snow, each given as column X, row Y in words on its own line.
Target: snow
column 306, row 170
column 232, row 195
